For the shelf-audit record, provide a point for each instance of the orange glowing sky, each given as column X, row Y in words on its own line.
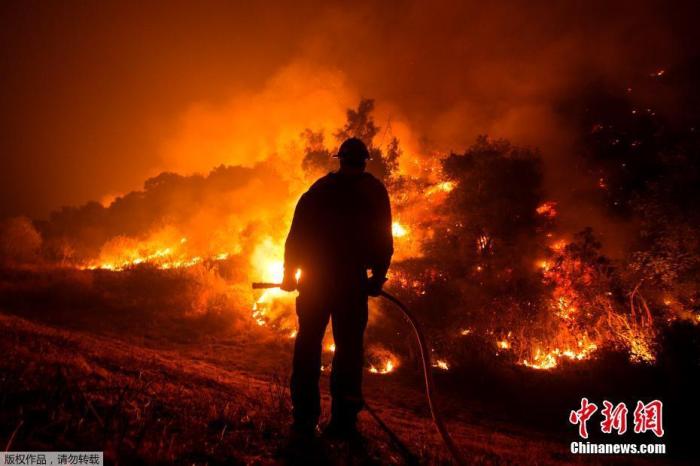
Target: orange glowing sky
column 97, row 97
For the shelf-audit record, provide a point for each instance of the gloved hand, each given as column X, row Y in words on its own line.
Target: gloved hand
column 289, row 282
column 374, row 285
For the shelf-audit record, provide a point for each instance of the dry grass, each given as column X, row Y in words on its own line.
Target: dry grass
column 117, row 362
column 68, row 390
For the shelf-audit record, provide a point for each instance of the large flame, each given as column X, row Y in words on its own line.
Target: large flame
column 168, row 248
column 249, row 231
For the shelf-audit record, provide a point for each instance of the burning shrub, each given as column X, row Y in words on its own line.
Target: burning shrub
column 381, row 360
column 477, row 250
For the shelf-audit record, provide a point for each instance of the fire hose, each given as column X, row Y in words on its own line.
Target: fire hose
column 427, row 371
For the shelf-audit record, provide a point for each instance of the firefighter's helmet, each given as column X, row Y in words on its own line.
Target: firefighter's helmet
column 353, row 150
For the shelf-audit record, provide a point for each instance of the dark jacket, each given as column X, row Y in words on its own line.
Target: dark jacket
column 341, row 228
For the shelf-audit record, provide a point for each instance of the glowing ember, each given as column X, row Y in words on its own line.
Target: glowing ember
column 386, row 368
column 441, row 364
column 444, row 187
column 483, row 242
column 398, row 230
column 564, row 304
column 503, row 344
column 381, row 360
column 545, row 265
column 558, row 246
column 550, row 359
column 547, row 209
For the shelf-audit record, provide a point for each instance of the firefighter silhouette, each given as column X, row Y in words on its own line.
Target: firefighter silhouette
column 340, row 231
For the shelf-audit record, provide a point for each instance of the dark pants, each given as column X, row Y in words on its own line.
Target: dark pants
column 349, row 316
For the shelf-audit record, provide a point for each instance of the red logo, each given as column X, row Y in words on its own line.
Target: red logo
column 647, row 417
column 614, row 418
column 581, row 416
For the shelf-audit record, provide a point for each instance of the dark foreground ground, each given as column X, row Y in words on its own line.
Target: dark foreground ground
column 165, row 388
column 69, row 390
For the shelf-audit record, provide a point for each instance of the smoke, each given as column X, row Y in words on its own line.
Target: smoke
column 224, row 212
column 441, row 75
column 145, row 90
column 252, row 127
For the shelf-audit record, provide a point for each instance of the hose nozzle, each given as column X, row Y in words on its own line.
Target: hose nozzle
column 265, row 285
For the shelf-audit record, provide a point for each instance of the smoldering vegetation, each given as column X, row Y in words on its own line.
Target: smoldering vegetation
column 195, row 204
column 526, row 315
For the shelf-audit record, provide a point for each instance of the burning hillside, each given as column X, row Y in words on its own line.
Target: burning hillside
column 475, row 238
column 542, row 162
